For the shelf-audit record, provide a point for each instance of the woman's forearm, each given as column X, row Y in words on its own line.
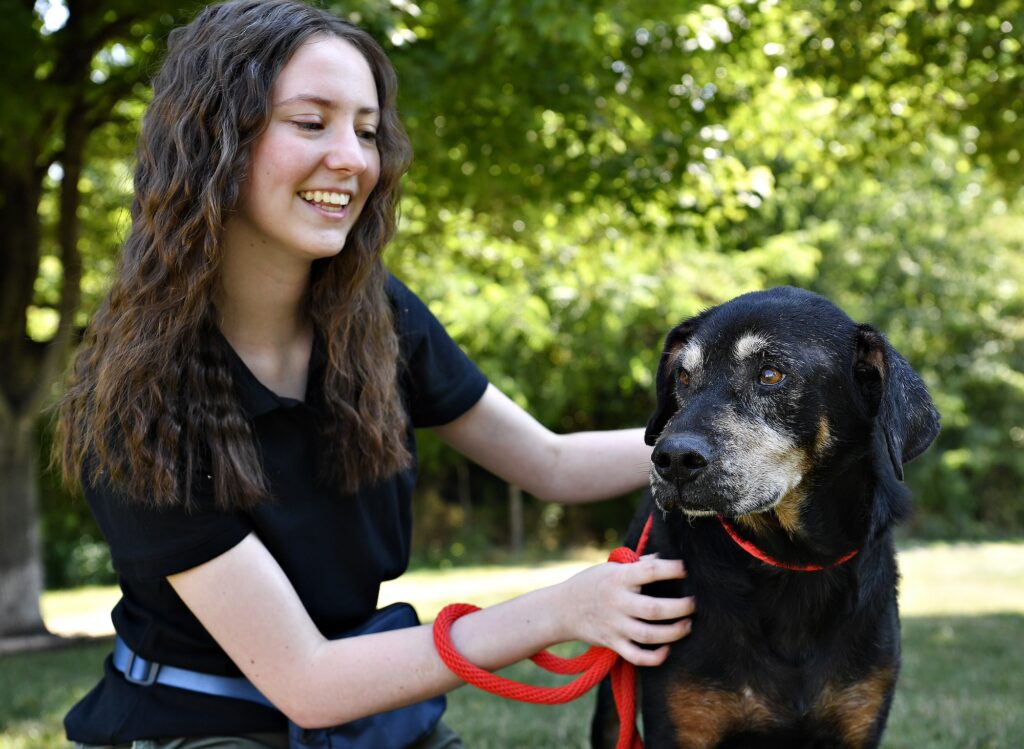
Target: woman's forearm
column 583, row 466
column 247, row 604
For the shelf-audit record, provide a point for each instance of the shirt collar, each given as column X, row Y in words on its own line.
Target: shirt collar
column 256, row 398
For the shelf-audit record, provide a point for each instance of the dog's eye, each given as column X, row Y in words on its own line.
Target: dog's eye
column 684, row 378
column 770, row 376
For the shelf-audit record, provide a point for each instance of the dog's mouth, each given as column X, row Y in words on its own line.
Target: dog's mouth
column 733, row 500
column 668, row 499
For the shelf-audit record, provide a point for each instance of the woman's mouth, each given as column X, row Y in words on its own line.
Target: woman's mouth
column 332, row 202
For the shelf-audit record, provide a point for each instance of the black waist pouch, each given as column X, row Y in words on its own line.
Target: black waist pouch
column 395, row 729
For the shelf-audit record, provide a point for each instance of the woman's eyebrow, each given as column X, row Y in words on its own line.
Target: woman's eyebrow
column 321, row 102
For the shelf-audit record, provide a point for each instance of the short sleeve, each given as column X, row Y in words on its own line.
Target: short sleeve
column 440, row 382
column 150, row 542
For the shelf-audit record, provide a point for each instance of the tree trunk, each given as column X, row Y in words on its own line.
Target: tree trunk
column 30, row 370
column 65, row 106
column 21, row 578
column 21, row 569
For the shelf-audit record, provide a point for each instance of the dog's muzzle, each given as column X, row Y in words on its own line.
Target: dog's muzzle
column 681, row 458
column 677, row 462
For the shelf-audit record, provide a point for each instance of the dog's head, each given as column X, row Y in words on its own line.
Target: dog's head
column 757, row 396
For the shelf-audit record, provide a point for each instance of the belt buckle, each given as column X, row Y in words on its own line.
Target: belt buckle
column 148, row 678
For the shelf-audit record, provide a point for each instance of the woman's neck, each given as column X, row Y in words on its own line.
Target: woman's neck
column 262, row 311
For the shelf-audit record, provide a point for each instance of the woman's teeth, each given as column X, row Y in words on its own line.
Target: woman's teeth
column 324, row 198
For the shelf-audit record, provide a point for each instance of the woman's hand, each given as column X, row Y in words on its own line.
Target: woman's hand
column 603, row 605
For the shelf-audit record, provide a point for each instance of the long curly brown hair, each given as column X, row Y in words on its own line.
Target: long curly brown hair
column 150, row 398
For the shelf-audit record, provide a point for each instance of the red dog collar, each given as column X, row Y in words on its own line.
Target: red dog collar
column 758, row 554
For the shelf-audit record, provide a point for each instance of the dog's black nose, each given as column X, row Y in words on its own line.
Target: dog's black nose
column 681, row 457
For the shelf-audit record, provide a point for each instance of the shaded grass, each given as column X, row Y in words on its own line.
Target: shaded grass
column 37, row 689
column 962, row 685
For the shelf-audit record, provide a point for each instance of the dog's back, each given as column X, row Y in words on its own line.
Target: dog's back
column 779, row 438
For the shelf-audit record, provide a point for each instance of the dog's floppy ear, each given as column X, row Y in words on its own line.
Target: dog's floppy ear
column 665, row 382
column 896, row 397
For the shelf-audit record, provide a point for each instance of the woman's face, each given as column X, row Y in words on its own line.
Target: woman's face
column 314, row 167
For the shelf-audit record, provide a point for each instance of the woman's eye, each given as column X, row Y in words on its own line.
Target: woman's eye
column 309, row 126
column 770, row 376
column 684, row 378
column 368, row 135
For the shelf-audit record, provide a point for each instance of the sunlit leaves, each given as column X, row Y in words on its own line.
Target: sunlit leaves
column 916, row 66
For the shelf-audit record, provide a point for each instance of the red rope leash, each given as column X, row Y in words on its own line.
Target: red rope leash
column 593, row 665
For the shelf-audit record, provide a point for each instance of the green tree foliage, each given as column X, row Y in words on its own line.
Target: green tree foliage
column 588, row 174
column 938, row 263
column 577, row 193
column 908, row 68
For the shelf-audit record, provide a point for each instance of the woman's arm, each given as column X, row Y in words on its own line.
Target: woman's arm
column 244, row 600
column 584, row 466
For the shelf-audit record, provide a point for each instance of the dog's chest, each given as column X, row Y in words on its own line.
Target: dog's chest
column 698, row 716
column 763, row 663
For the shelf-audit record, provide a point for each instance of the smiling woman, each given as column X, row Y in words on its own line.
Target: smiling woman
column 314, row 166
column 312, row 171
column 241, row 418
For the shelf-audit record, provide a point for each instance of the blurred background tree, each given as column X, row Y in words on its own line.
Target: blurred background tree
column 68, row 71
column 586, row 175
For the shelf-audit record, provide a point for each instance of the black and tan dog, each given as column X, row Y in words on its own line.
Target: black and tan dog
column 779, row 441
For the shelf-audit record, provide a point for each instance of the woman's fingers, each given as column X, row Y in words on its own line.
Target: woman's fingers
column 658, row 609
column 639, row 656
column 651, row 568
column 645, row 633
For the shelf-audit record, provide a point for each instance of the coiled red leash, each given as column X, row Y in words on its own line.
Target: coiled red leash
column 593, row 665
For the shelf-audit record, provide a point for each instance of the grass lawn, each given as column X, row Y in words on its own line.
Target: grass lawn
column 961, row 685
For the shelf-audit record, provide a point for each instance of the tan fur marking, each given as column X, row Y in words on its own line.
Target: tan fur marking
column 788, row 511
column 758, row 522
column 854, row 707
column 784, row 515
column 790, row 508
column 703, row 717
column 824, row 438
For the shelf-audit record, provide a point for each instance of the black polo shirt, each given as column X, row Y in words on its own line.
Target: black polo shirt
column 335, row 548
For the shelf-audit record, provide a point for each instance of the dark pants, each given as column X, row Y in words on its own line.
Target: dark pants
column 442, row 738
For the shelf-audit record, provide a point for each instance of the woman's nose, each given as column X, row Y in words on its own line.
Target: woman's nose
column 346, row 153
